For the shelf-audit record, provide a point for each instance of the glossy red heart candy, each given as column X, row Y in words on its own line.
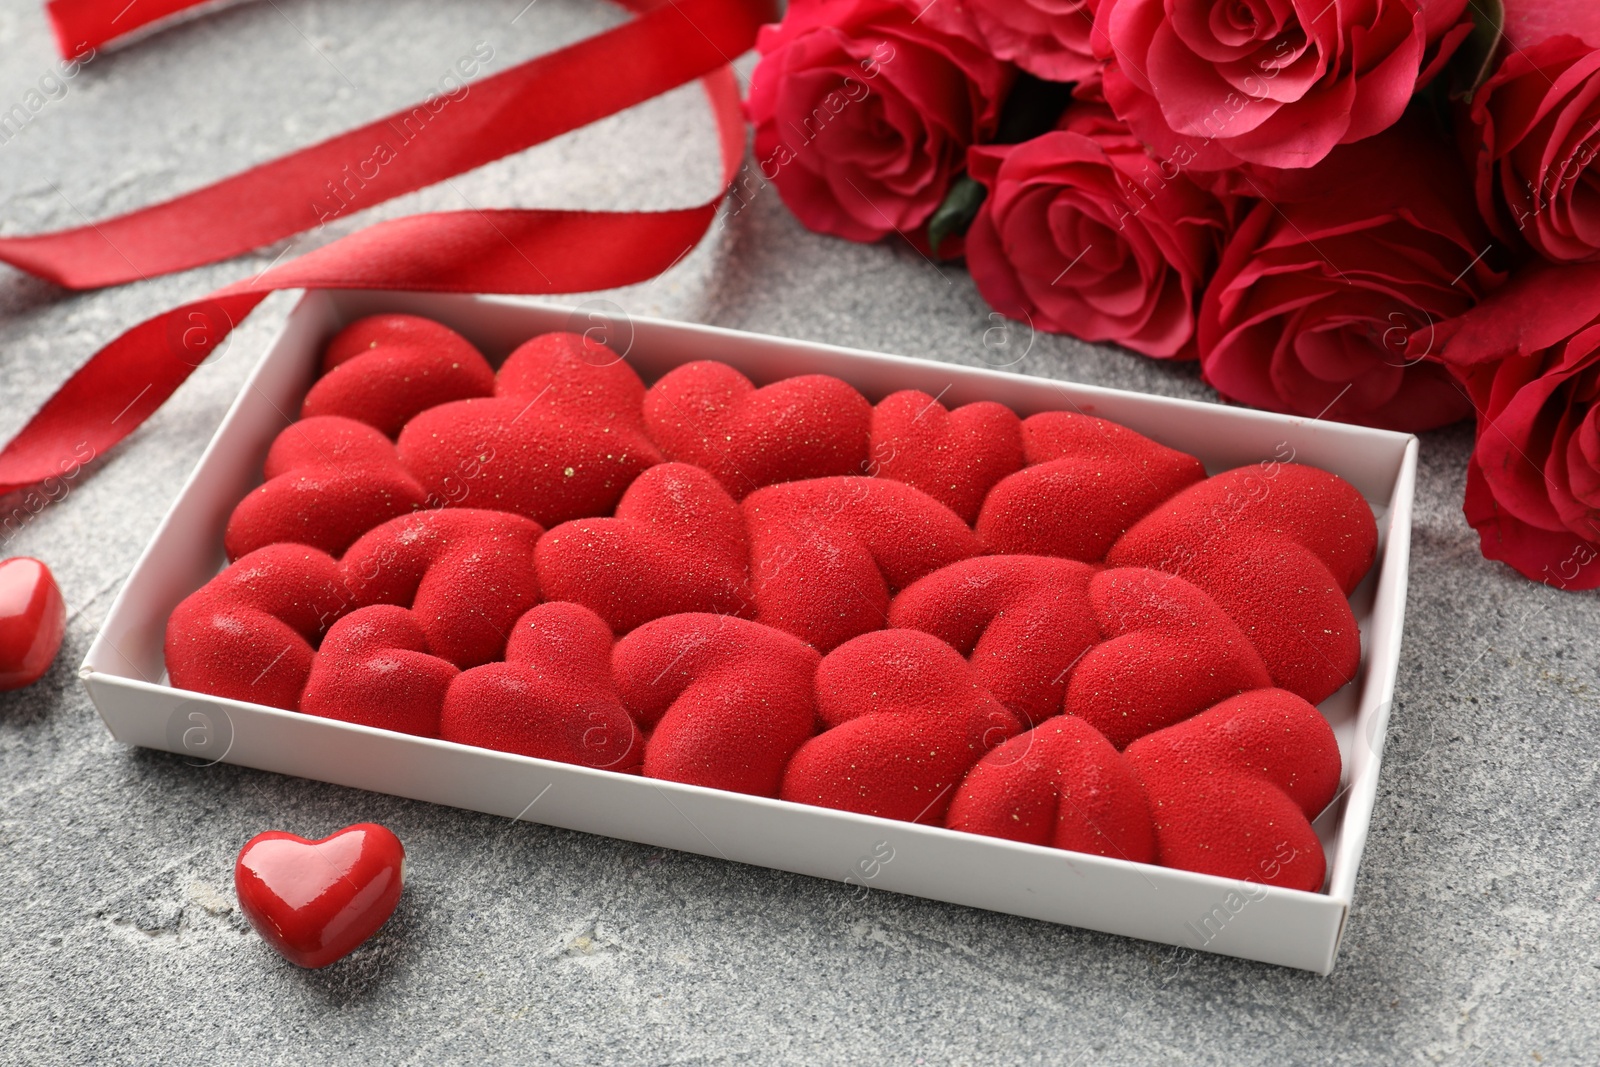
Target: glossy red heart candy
column 315, row 901
column 32, row 619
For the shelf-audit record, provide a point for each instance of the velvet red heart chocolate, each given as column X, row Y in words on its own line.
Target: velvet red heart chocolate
column 375, row 668
column 385, row 370
column 1280, row 547
column 1024, row 622
column 826, row 555
column 316, row 901
column 251, row 632
column 727, row 701
column 551, row 698
column 677, row 544
column 1059, row 784
column 1168, row 653
column 328, row 481
column 466, row 574
column 393, row 330
column 1233, row 791
column 1087, row 481
column 956, row 457
column 33, row 618
column 562, row 437
column 710, row 415
column 903, row 718
column 1230, row 792
column 1129, row 650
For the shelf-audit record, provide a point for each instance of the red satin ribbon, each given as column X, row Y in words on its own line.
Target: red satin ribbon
column 84, row 24
column 511, row 251
column 672, row 42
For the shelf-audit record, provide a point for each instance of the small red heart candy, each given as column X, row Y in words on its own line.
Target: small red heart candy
column 32, row 619
column 315, row 901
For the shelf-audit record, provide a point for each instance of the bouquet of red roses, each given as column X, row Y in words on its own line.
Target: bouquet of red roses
column 1380, row 211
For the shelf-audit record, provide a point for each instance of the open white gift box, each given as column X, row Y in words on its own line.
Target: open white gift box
column 126, row 677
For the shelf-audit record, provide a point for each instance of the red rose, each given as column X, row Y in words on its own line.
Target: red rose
column 1328, row 297
column 1083, row 233
column 863, row 115
column 1273, row 82
column 1530, row 356
column 1537, row 125
column 1047, row 38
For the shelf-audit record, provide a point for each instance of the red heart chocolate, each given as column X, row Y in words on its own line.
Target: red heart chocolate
column 1169, row 652
column 552, row 697
column 316, row 901
column 374, row 668
column 561, row 439
column 1280, row 546
column 827, row 554
column 677, row 544
column 1086, row 482
column 1129, row 650
column 710, row 415
column 32, row 619
column 1233, row 791
column 1230, row 792
column 328, row 481
column 956, row 457
column 381, row 331
column 250, row 633
column 904, row 718
column 384, row 370
column 1061, row 784
column 466, row 574
column 1024, row 622
column 726, row 700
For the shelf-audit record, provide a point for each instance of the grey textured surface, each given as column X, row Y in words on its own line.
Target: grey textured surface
column 1475, row 937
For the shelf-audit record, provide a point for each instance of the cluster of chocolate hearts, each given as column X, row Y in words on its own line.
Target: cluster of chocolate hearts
column 1049, row 629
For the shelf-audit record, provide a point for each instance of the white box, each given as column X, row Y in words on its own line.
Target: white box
column 126, row 678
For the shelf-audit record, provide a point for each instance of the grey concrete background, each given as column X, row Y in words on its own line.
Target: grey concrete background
column 1475, row 937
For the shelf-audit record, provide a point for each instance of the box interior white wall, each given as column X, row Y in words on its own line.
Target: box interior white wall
column 125, row 674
